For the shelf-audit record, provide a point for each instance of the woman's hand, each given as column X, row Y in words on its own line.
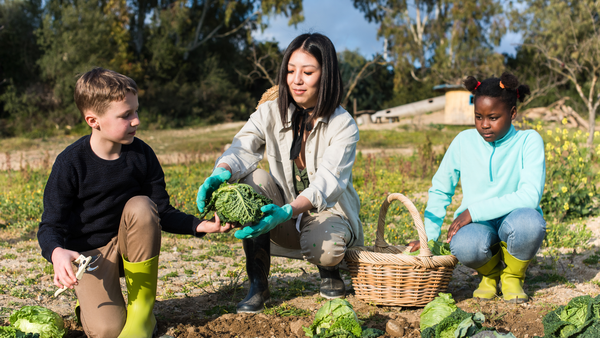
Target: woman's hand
column 63, row 267
column 460, row 221
column 273, row 216
column 212, row 183
column 214, row 226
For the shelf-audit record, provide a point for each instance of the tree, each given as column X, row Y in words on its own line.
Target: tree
column 566, row 37
column 444, row 40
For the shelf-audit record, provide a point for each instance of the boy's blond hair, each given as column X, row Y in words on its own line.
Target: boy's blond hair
column 96, row 89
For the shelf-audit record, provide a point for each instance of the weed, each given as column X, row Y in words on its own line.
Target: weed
column 169, row 275
column 188, row 272
column 292, row 289
column 9, row 256
column 286, row 310
column 220, row 310
column 547, row 278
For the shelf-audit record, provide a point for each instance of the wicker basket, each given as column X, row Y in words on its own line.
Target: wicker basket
column 384, row 275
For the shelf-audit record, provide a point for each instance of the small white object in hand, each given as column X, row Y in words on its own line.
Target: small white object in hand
column 83, row 263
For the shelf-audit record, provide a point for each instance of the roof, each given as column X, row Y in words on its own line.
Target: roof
column 448, row 87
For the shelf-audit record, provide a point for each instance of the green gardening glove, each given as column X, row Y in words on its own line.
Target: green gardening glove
column 218, row 176
column 273, row 216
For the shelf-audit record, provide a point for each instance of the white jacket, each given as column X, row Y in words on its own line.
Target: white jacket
column 330, row 153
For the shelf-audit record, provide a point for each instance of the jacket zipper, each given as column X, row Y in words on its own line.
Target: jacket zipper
column 491, row 156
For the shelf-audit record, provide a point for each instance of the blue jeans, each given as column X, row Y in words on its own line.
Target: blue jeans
column 523, row 230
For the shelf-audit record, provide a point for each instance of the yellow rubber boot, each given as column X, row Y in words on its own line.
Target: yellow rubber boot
column 490, row 274
column 512, row 277
column 141, row 281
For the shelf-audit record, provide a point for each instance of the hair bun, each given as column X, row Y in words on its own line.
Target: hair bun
column 509, row 81
column 470, row 83
column 523, row 90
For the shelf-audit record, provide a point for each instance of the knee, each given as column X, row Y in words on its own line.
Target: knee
column 527, row 222
column 103, row 328
column 256, row 177
column 143, row 210
column 325, row 253
column 470, row 253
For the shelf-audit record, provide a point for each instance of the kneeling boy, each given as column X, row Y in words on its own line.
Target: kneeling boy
column 106, row 197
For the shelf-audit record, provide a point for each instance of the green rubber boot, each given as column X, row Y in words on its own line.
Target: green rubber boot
column 512, row 277
column 141, row 281
column 490, row 274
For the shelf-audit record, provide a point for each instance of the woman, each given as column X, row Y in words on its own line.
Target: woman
column 310, row 144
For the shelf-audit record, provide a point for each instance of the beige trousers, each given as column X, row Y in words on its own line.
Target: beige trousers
column 101, row 304
column 322, row 237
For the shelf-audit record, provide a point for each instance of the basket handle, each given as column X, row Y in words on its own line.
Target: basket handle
column 380, row 243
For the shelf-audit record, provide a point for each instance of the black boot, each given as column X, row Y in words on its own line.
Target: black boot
column 258, row 262
column 332, row 285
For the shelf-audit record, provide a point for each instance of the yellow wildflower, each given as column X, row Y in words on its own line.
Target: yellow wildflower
column 564, row 189
column 580, row 159
column 564, row 121
column 566, row 206
column 596, row 133
column 557, row 129
column 584, row 180
column 565, row 132
column 557, row 139
column 549, row 132
column 591, row 194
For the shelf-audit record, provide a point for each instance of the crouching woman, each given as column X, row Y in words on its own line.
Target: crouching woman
column 310, row 143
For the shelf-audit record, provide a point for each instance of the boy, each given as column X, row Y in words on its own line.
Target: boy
column 106, row 197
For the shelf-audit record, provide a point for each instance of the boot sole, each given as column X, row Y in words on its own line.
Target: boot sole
column 330, row 297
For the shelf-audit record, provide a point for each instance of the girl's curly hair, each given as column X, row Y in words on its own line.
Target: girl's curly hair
column 507, row 88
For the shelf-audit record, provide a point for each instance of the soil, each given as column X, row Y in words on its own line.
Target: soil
column 200, row 282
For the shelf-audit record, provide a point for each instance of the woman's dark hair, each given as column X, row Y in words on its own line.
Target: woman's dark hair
column 330, row 86
column 507, row 88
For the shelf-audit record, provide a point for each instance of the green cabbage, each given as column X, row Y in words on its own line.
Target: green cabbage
column 37, row 319
column 328, row 314
column 437, row 248
column 438, row 309
column 236, row 202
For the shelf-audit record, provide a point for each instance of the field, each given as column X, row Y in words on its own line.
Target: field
column 201, row 280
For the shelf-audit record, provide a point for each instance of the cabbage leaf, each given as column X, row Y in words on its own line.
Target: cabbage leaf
column 236, row 203
column 37, row 319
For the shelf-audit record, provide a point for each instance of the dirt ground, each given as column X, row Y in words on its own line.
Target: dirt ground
column 200, row 282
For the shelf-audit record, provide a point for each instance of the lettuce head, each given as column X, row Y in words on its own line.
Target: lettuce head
column 37, row 319
column 329, row 314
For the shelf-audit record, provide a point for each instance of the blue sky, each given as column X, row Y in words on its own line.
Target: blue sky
column 345, row 25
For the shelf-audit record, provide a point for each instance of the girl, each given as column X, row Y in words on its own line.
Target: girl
column 498, row 227
column 310, row 143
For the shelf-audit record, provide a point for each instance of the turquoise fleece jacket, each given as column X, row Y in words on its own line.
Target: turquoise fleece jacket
column 497, row 177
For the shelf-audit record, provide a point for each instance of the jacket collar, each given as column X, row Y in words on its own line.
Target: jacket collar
column 290, row 112
column 511, row 132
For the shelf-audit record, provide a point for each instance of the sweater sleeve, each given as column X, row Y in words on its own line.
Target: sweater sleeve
column 530, row 188
column 442, row 189
column 171, row 219
column 59, row 194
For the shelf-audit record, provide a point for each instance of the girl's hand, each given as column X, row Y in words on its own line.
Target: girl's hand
column 63, row 267
column 416, row 245
column 460, row 221
column 213, row 226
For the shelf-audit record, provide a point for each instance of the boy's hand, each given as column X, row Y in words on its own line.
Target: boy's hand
column 214, row 225
column 63, row 268
column 460, row 221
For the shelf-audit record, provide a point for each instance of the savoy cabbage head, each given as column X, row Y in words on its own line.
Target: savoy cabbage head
column 236, row 202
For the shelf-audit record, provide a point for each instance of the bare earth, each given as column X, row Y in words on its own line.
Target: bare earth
column 201, row 281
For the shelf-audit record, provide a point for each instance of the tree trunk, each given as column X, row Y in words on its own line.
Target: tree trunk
column 592, row 126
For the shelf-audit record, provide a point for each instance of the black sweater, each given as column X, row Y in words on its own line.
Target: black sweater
column 85, row 196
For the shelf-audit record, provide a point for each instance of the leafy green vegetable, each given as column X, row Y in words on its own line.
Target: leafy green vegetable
column 37, row 319
column 579, row 318
column 371, row 333
column 335, row 333
column 236, row 202
column 8, row 332
column 493, row 334
column 438, row 309
column 437, row 248
column 459, row 324
column 328, row 314
column 348, row 323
